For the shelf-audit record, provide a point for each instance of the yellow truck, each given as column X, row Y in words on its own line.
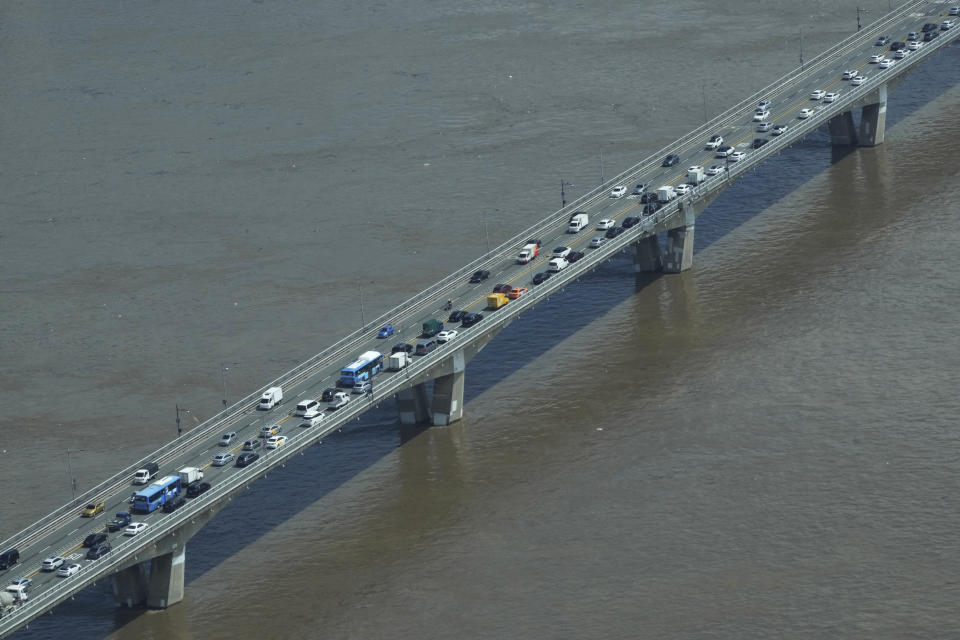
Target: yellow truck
column 497, row 300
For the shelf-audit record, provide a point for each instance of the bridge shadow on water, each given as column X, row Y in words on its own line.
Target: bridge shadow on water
column 345, row 454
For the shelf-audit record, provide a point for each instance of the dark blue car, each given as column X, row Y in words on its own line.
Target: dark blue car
column 385, row 331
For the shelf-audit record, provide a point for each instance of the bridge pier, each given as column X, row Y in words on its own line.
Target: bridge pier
column 873, row 119
column 448, row 393
column 412, row 404
column 679, row 253
column 843, row 133
column 646, row 255
column 130, row 586
column 166, row 579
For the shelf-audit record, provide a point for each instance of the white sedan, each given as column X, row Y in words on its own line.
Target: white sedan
column 816, row 95
column 914, row 45
column 275, row 442
column 830, row 97
column 715, row 169
column 849, row 74
column 805, row 113
column 737, row 156
column 761, row 116
column 886, row 63
column 52, row 564
column 67, row 570
column 682, row 189
column 777, row 130
column 859, row 80
column 875, row 58
column 763, row 127
column 446, row 336
column 134, row 528
column 618, row 191
column 605, row 224
column 900, row 54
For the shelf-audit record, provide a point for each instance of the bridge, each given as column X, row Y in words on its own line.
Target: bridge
column 148, row 568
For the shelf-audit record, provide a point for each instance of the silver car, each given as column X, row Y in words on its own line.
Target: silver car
column 222, row 459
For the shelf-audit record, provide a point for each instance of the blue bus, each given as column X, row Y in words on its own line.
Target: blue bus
column 156, row 495
column 363, row 368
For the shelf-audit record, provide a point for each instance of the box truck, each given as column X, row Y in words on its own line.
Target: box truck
column 497, row 300
column 399, row 360
column 190, row 474
column 271, row 398
column 528, row 253
column 666, row 194
column 578, row 221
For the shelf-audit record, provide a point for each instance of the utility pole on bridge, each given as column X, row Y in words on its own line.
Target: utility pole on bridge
column 859, row 11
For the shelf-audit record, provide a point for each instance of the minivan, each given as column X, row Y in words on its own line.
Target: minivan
column 424, row 347
column 307, row 406
column 9, row 558
column 247, row 458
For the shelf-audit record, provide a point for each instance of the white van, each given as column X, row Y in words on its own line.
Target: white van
column 313, row 421
column 578, row 221
column 307, row 407
column 271, row 398
column 557, row 264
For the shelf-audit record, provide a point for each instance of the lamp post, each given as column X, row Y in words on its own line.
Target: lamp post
column 859, row 11
column 601, row 167
column 181, row 409
column 363, row 323
column 223, row 376
column 73, row 478
column 801, row 48
column 564, row 183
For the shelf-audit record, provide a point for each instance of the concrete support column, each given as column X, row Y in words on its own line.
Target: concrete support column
column 679, row 253
column 166, row 579
column 448, row 393
column 842, row 131
column 412, row 404
column 646, row 255
column 873, row 120
column 130, row 586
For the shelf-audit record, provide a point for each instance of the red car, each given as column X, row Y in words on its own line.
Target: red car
column 502, row 288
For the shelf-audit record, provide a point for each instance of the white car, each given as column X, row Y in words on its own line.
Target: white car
column 946, row 25
column 816, row 95
column 875, row 58
column 805, row 113
column 737, row 156
column 446, row 336
column 859, row 80
column 847, row 75
column 900, row 54
column 562, row 252
column 914, row 45
column 52, row 564
column 682, row 189
column 222, row 459
column 597, row 241
column 714, row 142
column 763, row 127
column 715, row 169
column 763, row 105
column 603, row 225
column 830, row 97
column 134, row 528
column 886, row 63
column 955, row 11
column 618, row 191
column 275, row 442
column 761, row 116
column 723, row 152
column 68, row 570
column 777, row 130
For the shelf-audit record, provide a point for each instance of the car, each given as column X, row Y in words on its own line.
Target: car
column 930, row 35
column 650, row 209
column 630, row 221
column 875, row 58
column 614, row 232
column 759, row 142
column 247, row 458
column 273, row 429
column 502, row 288
column 723, row 152
column 93, row 509
column 22, row 583
column 816, row 95
column 946, row 25
column 559, row 252
column 604, row 224
column 541, row 277
column 400, row 347
column 446, row 336
column 479, row 276
column 859, row 80
column 67, row 570
column 682, row 189
column 227, row 438
column 852, row 73
column 778, row 129
column 955, row 11
column 455, row 316
column 597, row 241
column 618, row 191
column 882, row 40
column 52, row 564
column 670, row 160
column 914, row 46
column 900, row 54
column 252, row 444
column 363, row 386
column 805, row 113
column 737, row 156
column 276, row 442
column 222, row 459
column 830, row 97
column 761, row 116
column 386, row 331
column 516, row 292
column 134, row 528
column 98, row 551
column 714, row 142
column 763, row 105
column 898, row 46
column 715, row 169
column 928, row 27
column 471, row 319
column 120, row 520
column 194, row 489
column 573, row 256
column 886, row 63
column 640, row 188
column 648, row 197
column 94, row 539
column 173, row 504
column 912, row 36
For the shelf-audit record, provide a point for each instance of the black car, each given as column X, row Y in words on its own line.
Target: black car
column 502, row 288
column 930, row 35
column 196, row 488
column 759, row 142
column 536, row 241
column 253, row 443
column 929, row 26
column 98, row 551
column 630, row 221
column 328, row 393
column 540, row 277
column 671, row 160
column 896, row 46
column 648, row 198
column 479, row 276
column 573, row 256
column 172, row 505
column 613, row 232
column 246, row 458
column 94, row 539
column 120, row 520
column 397, row 348
column 650, row 209
column 9, row 558
column 470, row 319
column 456, row 316
column 640, row 188
column 882, row 40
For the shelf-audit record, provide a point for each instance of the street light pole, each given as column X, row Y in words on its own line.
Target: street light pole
column 73, row 479
column 363, row 323
column 564, row 183
column 179, row 409
column 801, row 48
column 859, row 11
column 601, row 166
